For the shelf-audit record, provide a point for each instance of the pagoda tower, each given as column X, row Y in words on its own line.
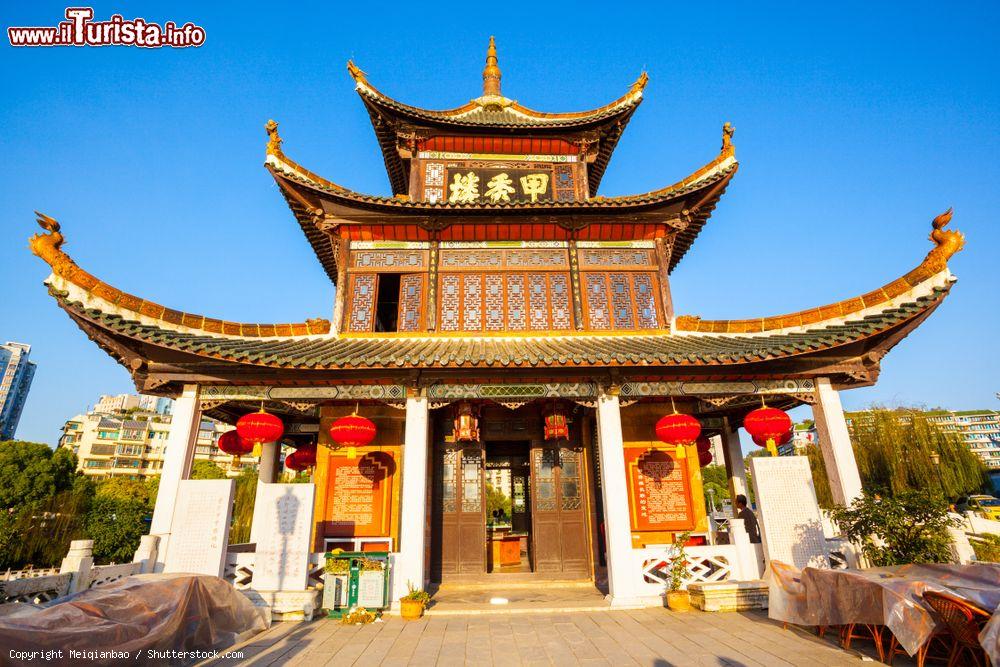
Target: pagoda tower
column 505, row 326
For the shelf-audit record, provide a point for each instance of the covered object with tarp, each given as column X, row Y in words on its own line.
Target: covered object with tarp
column 159, row 618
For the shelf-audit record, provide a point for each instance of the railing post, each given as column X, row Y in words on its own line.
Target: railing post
column 146, row 553
column 78, row 562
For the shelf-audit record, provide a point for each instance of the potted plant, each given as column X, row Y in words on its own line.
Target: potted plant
column 677, row 599
column 411, row 605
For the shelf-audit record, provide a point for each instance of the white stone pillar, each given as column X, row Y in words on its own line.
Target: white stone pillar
column 179, row 451
column 268, row 466
column 622, row 573
column 408, row 567
column 835, row 443
column 78, row 562
column 735, row 467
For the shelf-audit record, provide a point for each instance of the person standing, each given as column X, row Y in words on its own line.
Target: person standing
column 749, row 519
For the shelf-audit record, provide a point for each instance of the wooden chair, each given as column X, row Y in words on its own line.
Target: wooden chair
column 936, row 649
column 850, row 632
column 964, row 622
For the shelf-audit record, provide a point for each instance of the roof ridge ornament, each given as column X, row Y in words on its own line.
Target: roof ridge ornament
column 273, row 138
column 728, row 149
column 48, row 246
column 640, row 84
column 491, row 73
column 946, row 242
column 356, row 72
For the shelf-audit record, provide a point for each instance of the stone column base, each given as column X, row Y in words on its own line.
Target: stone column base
column 728, row 595
column 286, row 605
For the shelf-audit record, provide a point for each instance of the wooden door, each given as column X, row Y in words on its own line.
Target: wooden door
column 458, row 524
column 558, row 510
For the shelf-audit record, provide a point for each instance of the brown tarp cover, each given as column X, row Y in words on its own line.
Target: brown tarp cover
column 160, row 612
column 889, row 596
column 990, row 637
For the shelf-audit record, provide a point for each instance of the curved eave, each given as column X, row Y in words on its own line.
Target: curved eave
column 477, row 113
column 68, row 280
column 697, row 194
column 818, row 350
column 495, row 115
column 931, row 274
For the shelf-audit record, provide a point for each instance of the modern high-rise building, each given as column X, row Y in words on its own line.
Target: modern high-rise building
column 979, row 429
column 133, row 445
column 122, row 402
column 16, row 373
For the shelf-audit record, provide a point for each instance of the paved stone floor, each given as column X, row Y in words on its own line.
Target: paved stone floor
column 654, row 637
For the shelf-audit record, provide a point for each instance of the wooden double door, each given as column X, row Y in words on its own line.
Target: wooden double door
column 559, row 540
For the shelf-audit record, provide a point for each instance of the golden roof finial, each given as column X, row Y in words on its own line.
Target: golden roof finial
column 48, row 246
column 946, row 242
column 356, row 72
column 491, row 73
column 273, row 139
column 727, row 138
column 639, row 84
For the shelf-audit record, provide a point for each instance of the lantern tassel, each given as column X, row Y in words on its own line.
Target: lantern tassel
column 771, row 447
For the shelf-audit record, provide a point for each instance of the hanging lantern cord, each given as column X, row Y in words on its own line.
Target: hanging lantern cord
column 672, row 405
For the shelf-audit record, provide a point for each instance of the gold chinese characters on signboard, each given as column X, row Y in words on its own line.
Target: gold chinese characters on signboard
column 498, row 186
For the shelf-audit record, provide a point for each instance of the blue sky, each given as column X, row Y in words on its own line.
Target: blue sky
column 856, row 123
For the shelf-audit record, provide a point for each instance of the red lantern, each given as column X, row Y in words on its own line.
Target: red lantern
column 306, row 455
column 231, row 443
column 704, row 458
column 678, row 429
column 768, row 425
column 466, row 423
column 703, row 443
column 783, row 440
column 556, row 426
column 294, row 462
column 260, row 427
column 352, row 431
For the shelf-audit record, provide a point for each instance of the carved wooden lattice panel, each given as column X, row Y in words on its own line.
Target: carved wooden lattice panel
column 621, row 300
column 494, row 302
column 598, row 313
column 538, row 313
column 411, row 296
column 559, row 293
column 362, row 302
column 472, row 302
column 615, row 257
column 449, row 303
column 516, row 318
column 505, row 302
column 388, row 259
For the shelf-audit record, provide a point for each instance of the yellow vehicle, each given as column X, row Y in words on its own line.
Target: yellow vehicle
column 987, row 507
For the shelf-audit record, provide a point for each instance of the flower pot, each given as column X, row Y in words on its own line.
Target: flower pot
column 678, row 601
column 411, row 610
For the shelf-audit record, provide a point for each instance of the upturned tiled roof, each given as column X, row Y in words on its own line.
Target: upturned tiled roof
column 442, row 351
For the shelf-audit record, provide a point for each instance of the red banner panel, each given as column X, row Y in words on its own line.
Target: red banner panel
column 359, row 495
column 659, row 490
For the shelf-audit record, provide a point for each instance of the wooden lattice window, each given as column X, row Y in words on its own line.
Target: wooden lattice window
column 621, row 300
column 505, row 302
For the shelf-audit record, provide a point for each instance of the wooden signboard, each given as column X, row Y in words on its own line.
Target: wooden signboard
column 359, row 495
column 659, row 490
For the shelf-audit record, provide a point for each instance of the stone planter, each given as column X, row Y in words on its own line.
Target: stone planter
column 678, row 601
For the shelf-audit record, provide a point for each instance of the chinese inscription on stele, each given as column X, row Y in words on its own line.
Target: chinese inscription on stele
column 498, row 186
column 659, row 490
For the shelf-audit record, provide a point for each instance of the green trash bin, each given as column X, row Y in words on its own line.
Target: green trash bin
column 354, row 579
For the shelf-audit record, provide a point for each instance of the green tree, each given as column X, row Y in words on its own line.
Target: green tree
column 820, row 480
column 124, row 488
column 202, row 469
column 909, row 527
column 31, row 472
column 895, row 450
column 116, row 524
column 243, row 504
column 715, row 477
